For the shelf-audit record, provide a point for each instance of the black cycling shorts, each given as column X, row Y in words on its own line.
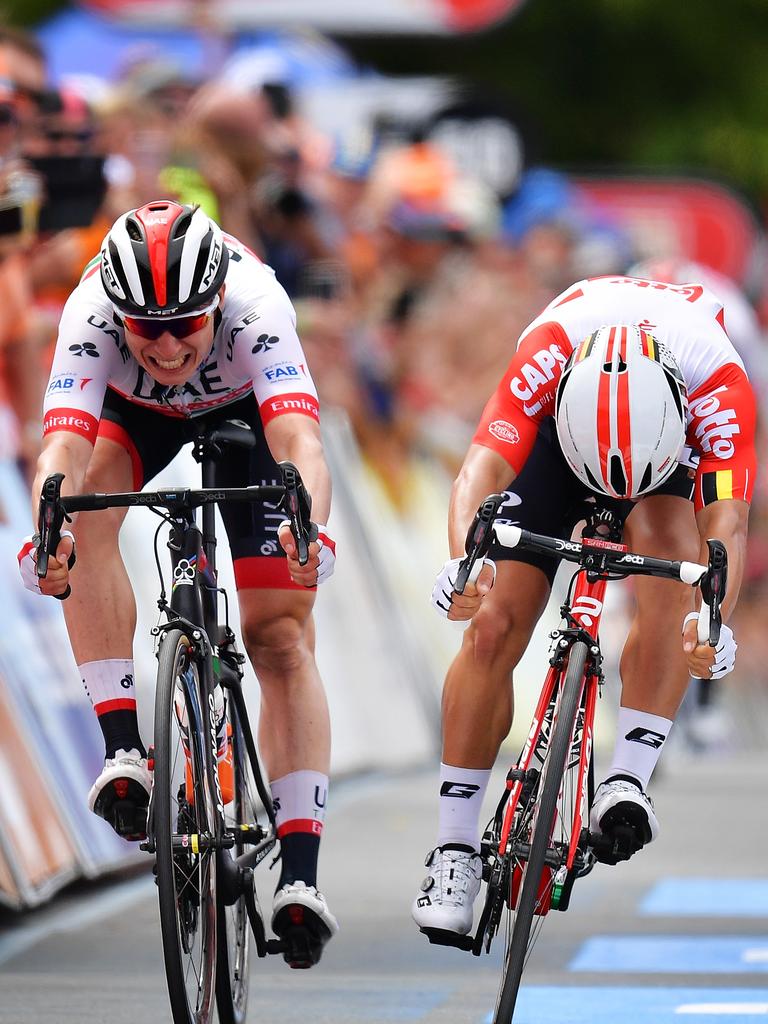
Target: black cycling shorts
column 153, row 439
column 547, row 497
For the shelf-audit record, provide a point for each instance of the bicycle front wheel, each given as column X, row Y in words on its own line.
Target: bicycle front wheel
column 183, row 822
column 234, row 926
column 552, row 793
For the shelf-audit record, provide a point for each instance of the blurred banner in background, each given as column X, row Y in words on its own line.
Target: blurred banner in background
column 395, row 16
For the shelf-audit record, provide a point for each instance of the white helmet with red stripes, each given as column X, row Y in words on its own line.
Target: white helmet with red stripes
column 163, row 259
column 621, row 411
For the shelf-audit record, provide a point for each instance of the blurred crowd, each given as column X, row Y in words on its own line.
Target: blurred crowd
column 411, row 278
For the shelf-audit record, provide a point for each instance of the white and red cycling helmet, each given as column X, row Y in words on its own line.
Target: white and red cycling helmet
column 621, row 411
column 163, row 259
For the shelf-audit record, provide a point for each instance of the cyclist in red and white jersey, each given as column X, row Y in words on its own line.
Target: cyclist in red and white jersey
column 175, row 326
column 630, row 389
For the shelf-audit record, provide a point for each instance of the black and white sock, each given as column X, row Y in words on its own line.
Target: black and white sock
column 461, row 798
column 640, row 738
column 111, row 687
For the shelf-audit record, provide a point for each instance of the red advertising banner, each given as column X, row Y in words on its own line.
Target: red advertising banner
column 394, row 16
column 698, row 220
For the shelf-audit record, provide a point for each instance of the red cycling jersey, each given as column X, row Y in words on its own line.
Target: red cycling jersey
column 688, row 319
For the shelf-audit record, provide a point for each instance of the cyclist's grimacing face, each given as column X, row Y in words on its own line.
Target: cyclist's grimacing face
column 170, row 360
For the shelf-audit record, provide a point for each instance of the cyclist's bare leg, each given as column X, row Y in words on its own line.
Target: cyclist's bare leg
column 294, row 726
column 101, row 611
column 295, row 742
column 653, row 670
column 477, row 696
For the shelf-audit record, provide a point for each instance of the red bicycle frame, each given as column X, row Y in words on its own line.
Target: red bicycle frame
column 585, row 610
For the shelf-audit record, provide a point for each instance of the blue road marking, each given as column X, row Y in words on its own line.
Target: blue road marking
column 663, row 954
column 571, row 1005
column 708, row 897
column 396, row 1004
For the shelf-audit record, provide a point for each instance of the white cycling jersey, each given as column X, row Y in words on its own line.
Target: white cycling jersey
column 255, row 348
column 688, row 319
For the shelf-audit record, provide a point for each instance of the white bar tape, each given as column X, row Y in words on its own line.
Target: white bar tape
column 691, row 573
column 507, row 534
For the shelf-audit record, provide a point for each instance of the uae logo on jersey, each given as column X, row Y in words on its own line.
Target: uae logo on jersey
column 86, row 349
column 264, row 343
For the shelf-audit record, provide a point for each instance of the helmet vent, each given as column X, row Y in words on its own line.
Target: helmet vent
column 134, row 231
column 592, row 481
column 675, row 389
column 617, row 476
column 645, row 482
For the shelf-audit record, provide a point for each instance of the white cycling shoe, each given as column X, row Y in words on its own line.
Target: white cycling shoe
column 447, row 896
column 624, row 813
column 301, row 918
column 120, row 795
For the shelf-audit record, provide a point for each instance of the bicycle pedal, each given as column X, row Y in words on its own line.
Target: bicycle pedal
column 128, row 820
column 302, row 936
column 617, row 844
column 445, row 937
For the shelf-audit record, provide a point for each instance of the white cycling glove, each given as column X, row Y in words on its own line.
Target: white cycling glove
column 442, row 592
column 327, row 553
column 28, row 561
column 725, row 652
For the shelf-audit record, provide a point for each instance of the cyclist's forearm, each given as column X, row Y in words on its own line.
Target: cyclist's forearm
column 305, row 450
column 484, row 472
column 726, row 520
column 69, row 455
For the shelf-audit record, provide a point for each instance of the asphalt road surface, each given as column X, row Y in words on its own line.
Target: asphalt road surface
column 679, row 934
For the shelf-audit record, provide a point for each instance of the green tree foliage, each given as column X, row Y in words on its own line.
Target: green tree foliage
column 666, row 84
column 28, row 13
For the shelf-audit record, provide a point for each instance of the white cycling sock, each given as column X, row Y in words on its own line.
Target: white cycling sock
column 111, row 686
column 640, row 737
column 461, row 798
column 299, row 800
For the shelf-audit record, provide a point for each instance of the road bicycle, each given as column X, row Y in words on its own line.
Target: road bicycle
column 210, row 820
column 538, row 842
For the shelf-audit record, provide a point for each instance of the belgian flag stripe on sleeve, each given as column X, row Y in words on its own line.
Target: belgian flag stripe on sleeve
column 717, row 486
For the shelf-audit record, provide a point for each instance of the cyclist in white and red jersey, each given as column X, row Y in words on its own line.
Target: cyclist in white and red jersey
column 175, row 326
column 630, row 389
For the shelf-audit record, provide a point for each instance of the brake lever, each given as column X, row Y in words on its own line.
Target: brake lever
column 479, row 538
column 297, row 505
column 713, row 587
column 49, row 521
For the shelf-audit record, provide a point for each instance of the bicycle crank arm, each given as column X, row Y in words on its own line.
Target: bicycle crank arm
column 264, row 946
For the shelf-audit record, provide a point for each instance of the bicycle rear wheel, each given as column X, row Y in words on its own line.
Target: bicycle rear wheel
column 183, row 817
column 234, row 937
column 555, row 804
